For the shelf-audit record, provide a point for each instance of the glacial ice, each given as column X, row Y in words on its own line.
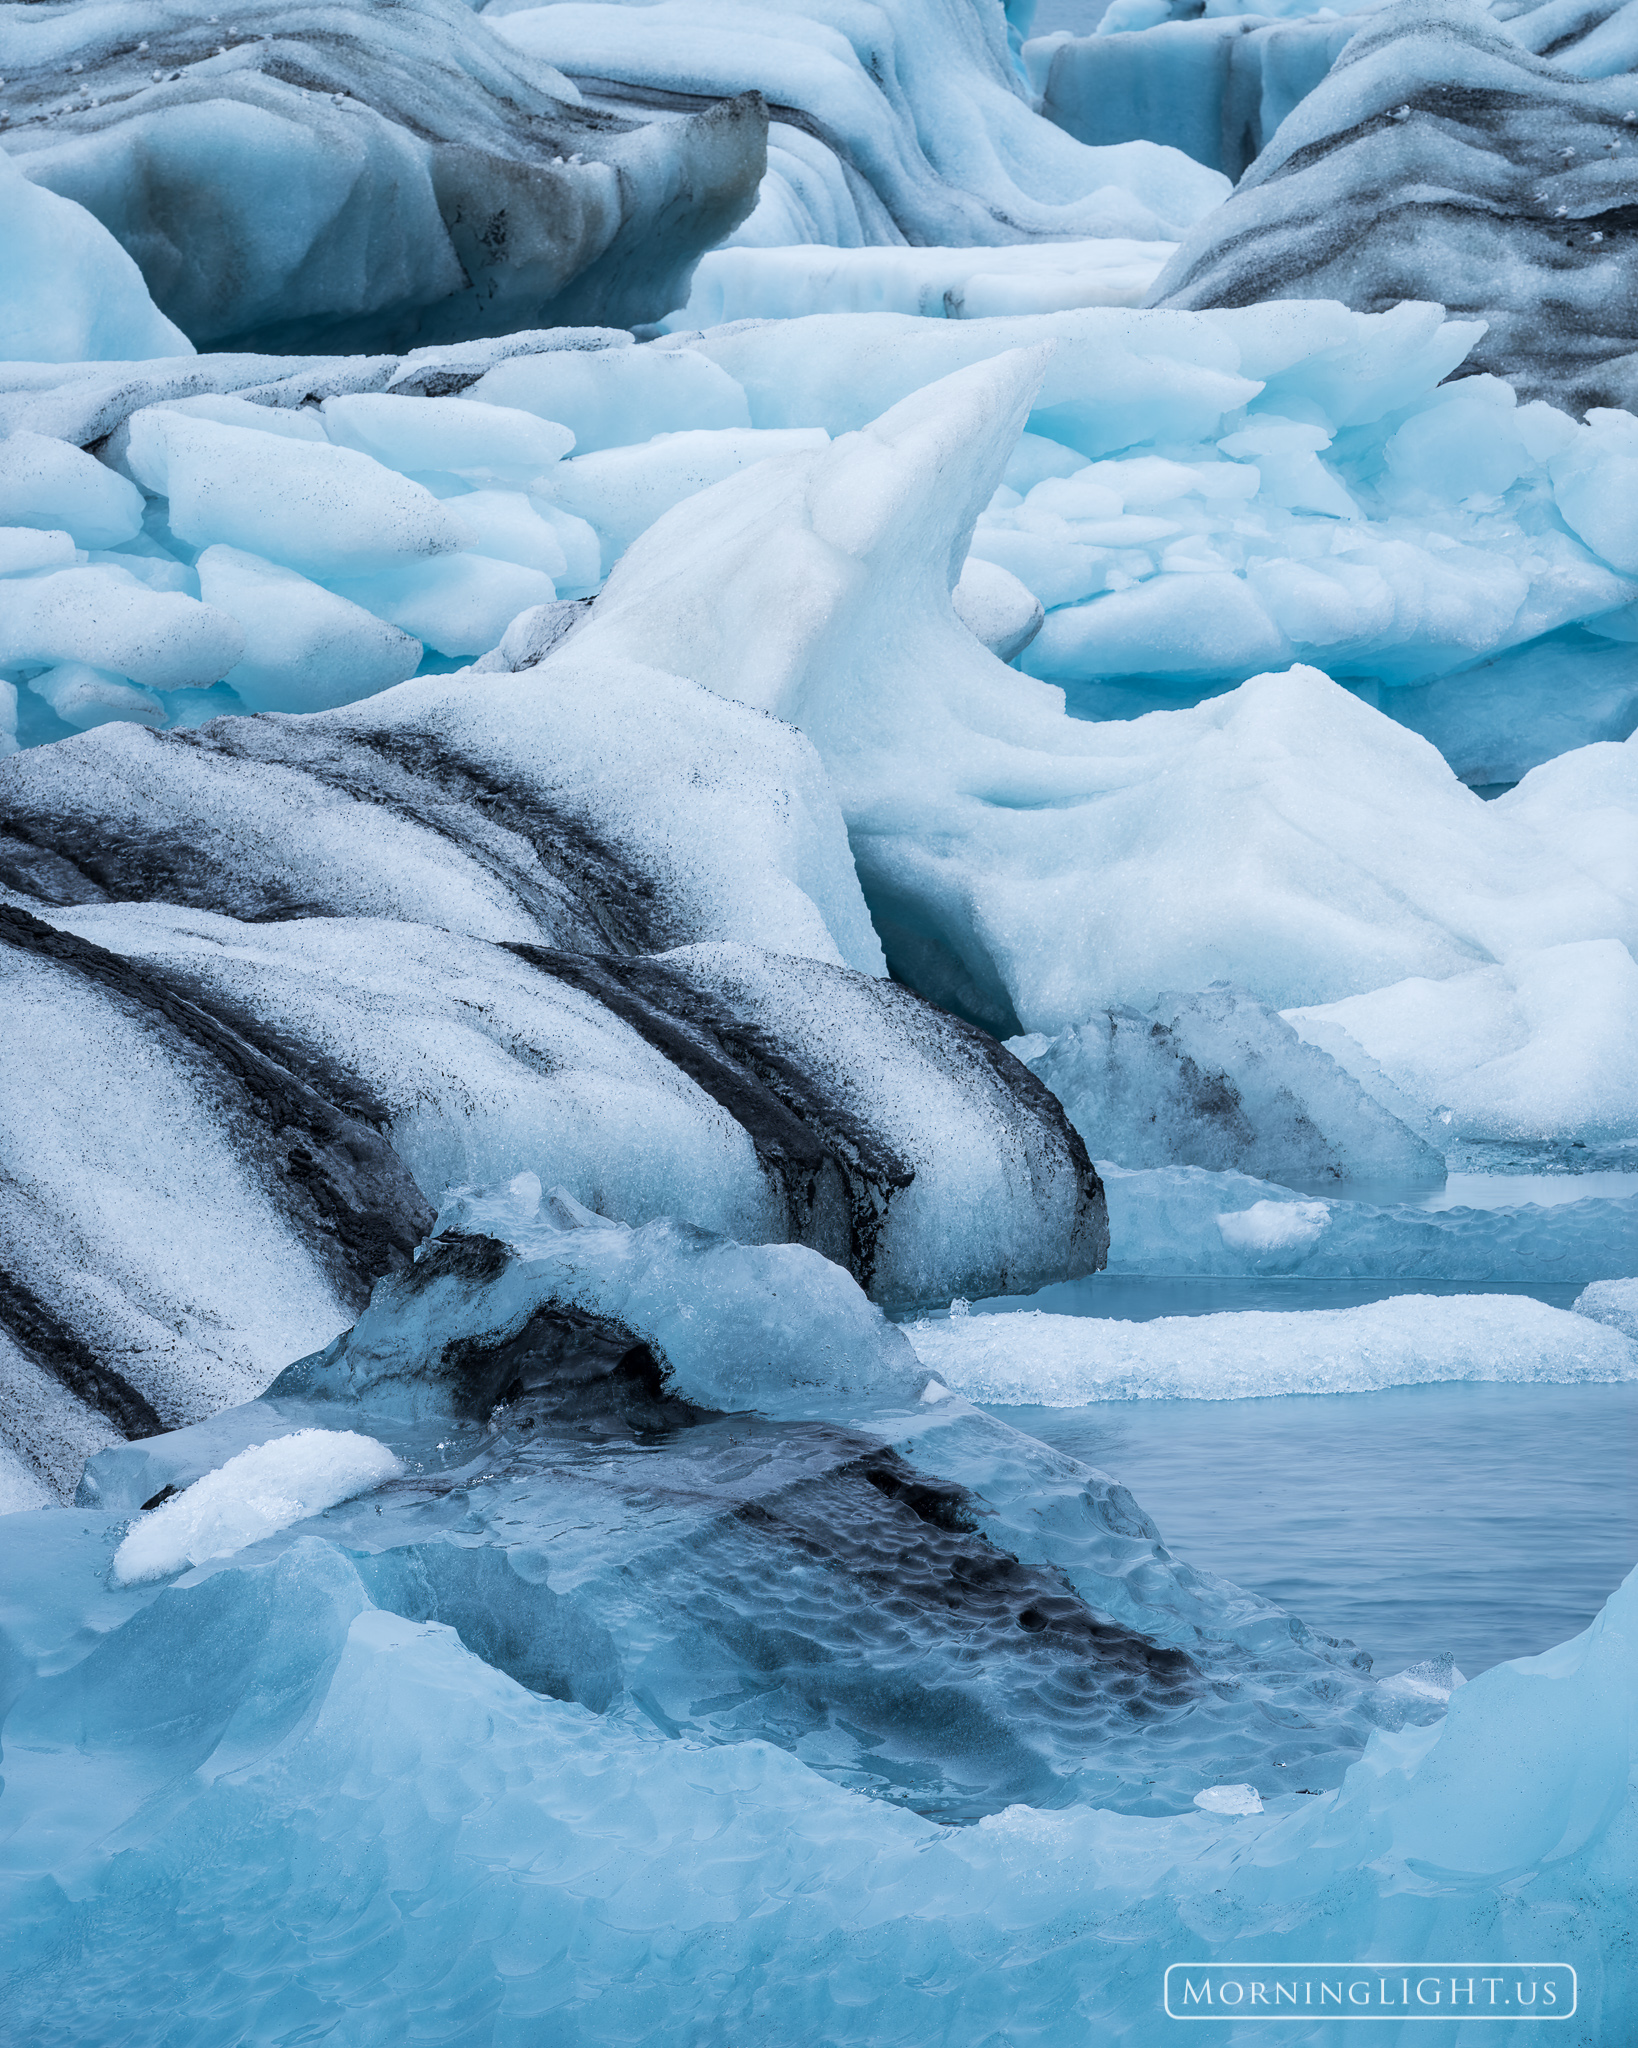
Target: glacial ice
column 1217, row 85
column 1542, row 1047
column 1611, row 1301
column 1441, row 156
column 262, row 1490
column 756, row 283
column 1319, row 857
column 917, row 102
column 1220, row 1081
column 329, row 512
column 306, row 648
column 612, row 1625
column 435, row 182
column 382, row 1655
column 1027, row 1358
column 319, row 1085
column 68, row 292
column 48, row 483
column 1184, row 1220
column 774, row 1327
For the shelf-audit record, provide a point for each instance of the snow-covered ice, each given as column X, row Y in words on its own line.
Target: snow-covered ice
column 260, row 1491
column 1029, row 1358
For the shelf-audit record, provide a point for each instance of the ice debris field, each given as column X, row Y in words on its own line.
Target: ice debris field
column 753, row 758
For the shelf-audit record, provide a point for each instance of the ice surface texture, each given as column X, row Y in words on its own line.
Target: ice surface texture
column 1441, row 158
column 898, row 121
column 977, row 810
column 1181, row 1220
column 514, row 1857
column 68, row 292
column 239, row 1127
column 1217, row 87
column 1037, row 1639
column 436, row 181
column 1218, row 1080
column 1414, row 1340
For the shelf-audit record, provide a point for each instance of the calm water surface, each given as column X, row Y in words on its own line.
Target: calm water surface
column 1490, row 1521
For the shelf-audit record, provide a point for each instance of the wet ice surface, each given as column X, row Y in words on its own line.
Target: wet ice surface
column 1483, row 1520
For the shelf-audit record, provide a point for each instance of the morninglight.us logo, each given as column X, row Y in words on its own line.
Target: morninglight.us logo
column 1370, row 1991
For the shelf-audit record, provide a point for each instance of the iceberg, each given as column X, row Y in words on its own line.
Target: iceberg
column 1441, row 154
column 436, row 182
column 1218, row 1080
column 240, row 1127
column 1542, row 1048
column 900, row 123
column 972, row 800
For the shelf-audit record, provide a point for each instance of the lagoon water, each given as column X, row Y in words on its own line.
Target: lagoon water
column 1490, row 1521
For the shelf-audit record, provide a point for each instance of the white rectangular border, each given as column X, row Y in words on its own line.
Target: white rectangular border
column 1374, row 1969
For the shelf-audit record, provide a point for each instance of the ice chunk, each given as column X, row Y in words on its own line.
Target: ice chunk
column 305, row 647
column 510, row 526
column 458, row 604
column 108, row 619
column 613, row 397
column 1595, row 482
column 1236, row 1799
column 491, row 443
column 727, row 1326
column 1219, row 1080
column 622, row 491
column 1611, row 1301
column 23, row 549
column 84, row 697
column 1274, row 1226
column 1544, row 1047
column 391, row 144
column 898, row 1142
column 644, row 813
column 261, row 1490
column 329, row 512
column 1030, row 1359
column 1502, row 165
column 740, row 283
column 1296, row 838
column 50, row 484
column 68, row 292
column 1181, row 1220
column 996, row 608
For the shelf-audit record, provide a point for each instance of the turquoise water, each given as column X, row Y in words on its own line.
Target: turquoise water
column 1490, row 1521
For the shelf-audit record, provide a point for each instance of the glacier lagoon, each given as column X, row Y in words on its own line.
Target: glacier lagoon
column 816, row 937
column 1476, row 1521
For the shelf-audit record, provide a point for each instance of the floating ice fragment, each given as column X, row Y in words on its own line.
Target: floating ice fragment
column 1274, row 1226
column 260, row 1491
column 1239, row 1799
column 1611, row 1301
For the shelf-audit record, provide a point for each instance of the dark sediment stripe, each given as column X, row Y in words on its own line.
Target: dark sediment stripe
column 346, row 1192
column 47, row 1339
